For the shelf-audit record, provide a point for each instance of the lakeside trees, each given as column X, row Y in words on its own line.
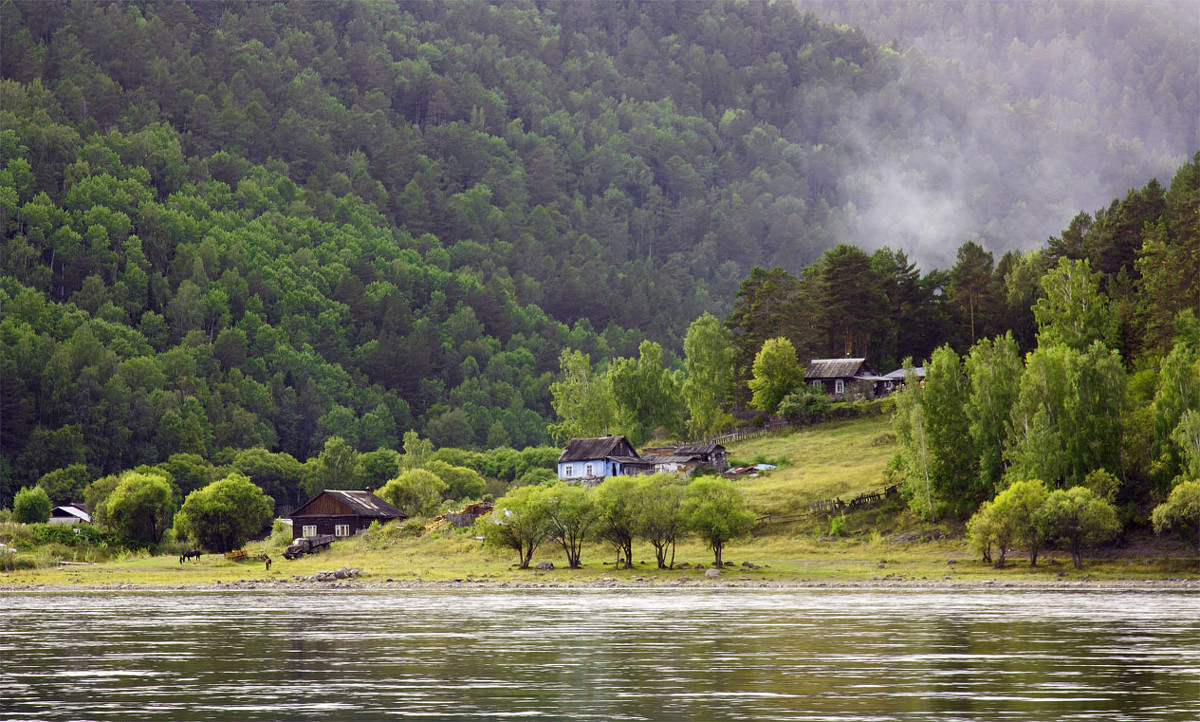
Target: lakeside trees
column 658, row 508
column 1027, row 513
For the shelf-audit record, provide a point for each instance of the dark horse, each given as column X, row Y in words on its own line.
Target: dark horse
column 193, row 554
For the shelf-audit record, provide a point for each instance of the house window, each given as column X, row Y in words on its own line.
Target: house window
column 341, row 530
column 568, row 471
column 587, row 471
column 839, row 386
column 309, row 530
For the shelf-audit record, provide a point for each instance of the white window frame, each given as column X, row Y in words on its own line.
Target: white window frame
column 839, row 386
column 341, row 530
column 308, row 530
column 568, row 471
column 588, row 471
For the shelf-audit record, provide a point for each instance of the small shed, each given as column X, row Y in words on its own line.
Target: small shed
column 897, row 376
column 705, row 455
column 342, row 513
column 70, row 514
column 596, row 458
column 687, row 458
column 836, row 374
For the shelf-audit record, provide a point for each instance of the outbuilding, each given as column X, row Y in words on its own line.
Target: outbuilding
column 70, row 514
column 342, row 512
column 687, row 458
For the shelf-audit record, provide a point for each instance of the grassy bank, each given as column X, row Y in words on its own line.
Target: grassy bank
column 879, row 542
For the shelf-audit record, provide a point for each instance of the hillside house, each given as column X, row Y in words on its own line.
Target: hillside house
column 592, row 460
column 595, row 459
column 836, row 375
column 342, row 513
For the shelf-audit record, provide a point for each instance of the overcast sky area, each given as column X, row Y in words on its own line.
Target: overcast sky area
column 1069, row 106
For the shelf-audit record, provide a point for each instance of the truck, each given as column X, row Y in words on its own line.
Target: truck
column 308, row 545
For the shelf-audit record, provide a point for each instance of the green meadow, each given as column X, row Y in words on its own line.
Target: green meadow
column 879, row 542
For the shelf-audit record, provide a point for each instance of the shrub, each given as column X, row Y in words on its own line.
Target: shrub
column 31, row 506
column 1181, row 513
column 805, row 405
column 837, row 526
column 416, row 492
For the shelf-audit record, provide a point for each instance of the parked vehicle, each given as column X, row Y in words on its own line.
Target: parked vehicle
column 308, row 545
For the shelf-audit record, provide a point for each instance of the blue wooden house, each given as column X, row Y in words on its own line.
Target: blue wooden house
column 594, row 459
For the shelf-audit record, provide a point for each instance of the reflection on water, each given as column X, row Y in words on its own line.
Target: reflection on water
column 602, row 654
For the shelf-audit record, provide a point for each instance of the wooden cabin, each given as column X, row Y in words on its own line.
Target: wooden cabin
column 342, row 513
column 592, row 460
column 836, row 375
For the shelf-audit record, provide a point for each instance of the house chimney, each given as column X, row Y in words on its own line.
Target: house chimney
column 368, row 490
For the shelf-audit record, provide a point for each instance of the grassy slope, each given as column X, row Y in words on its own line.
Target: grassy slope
column 833, row 460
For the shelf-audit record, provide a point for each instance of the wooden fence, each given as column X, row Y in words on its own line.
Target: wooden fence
column 751, row 432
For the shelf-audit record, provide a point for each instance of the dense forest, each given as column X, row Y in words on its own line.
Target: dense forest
column 304, row 229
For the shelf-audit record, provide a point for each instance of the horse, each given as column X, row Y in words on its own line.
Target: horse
column 191, row 554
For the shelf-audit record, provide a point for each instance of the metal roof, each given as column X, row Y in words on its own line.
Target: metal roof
column 73, row 511
column 898, row 374
column 362, row 503
column 837, row 368
column 700, row 449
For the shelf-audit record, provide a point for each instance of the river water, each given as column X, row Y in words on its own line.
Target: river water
column 722, row 654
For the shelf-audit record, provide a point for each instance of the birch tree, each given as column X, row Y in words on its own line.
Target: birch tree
column 994, row 369
column 708, row 381
column 908, row 421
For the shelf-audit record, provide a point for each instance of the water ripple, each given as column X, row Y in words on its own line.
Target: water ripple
column 602, row 654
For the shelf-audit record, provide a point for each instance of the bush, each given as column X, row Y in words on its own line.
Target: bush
column 806, row 405
column 416, row 492
column 31, row 506
column 1181, row 513
column 837, row 526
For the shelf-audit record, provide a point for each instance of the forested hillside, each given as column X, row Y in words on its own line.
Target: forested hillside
column 232, row 225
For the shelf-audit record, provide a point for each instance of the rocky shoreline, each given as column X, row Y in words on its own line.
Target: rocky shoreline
column 347, row 581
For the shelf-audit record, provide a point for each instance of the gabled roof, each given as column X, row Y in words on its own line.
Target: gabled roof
column 898, row 374
column 601, row 447
column 700, row 449
column 672, row 459
column 70, row 510
column 362, row 503
column 837, row 368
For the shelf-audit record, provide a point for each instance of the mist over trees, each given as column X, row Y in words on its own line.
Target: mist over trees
column 1001, row 103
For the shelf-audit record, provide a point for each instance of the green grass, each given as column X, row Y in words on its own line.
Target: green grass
column 833, row 460
column 822, row 462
